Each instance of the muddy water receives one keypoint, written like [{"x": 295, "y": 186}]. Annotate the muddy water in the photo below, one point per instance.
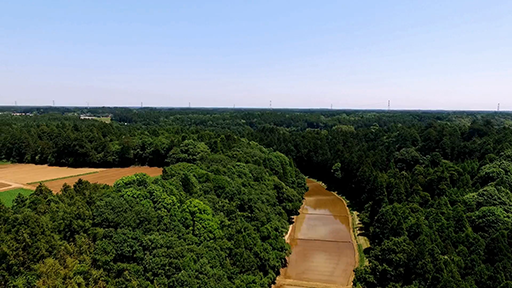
[{"x": 322, "y": 246}]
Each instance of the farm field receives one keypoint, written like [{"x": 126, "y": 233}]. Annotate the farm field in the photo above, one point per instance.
[
  {"x": 28, "y": 176},
  {"x": 30, "y": 173},
  {"x": 105, "y": 176},
  {"x": 323, "y": 253},
  {"x": 8, "y": 196}
]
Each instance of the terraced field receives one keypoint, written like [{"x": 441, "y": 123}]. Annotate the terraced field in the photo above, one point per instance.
[{"x": 323, "y": 252}]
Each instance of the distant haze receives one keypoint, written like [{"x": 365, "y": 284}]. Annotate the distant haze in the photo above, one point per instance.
[{"x": 299, "y": 54}]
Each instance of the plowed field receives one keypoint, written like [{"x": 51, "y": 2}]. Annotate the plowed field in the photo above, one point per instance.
[
  {"x": 323, "y": 252},
  {"x": 4, "y": 185},
  {"x": 106, "y": 176},
  {"x": 28, "y": 176},
  {"x": 29, "y": 173}
]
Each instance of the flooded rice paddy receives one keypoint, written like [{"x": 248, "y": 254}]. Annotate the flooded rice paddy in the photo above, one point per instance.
[{"x": 323, "y": 253}]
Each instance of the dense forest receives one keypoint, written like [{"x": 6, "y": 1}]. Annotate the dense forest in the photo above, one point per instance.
[
  {"x": 213, "y": 219},
  {"x": 433, "y": 190}
]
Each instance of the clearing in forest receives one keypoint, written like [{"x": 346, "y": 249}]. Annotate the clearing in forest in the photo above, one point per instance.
[
  {"x": 28, "y": 176},
  {"x": 105, "y": 176},
  {"x": 323, "y": 251},
  {"x": 30, "y": 173}
]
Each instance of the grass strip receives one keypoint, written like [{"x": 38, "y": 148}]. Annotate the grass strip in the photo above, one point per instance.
[
  {"x": 66, "y": 177},
  {"x": 7, "y": 197},
  {"x": 362, "y": 258},
  {"x": 3, "y": 162},
  {"x": 360, "y": 248}
]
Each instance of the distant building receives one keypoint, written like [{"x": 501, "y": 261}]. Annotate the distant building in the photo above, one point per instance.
[
  {"x": 21, "y": 114},
  {"x": 105, "y": 119}
]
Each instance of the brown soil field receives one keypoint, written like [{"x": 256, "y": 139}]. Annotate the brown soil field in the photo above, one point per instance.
[
  {"x": 323, "y": 252},
  {"x": 321, "y": 262},
  {"x": 106, "y": 176},
  {"x": 28, "y": 173},
  {"x": 4, "y": 185}
]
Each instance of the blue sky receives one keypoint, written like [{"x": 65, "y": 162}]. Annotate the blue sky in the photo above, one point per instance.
[{"x": 351, "y": 54}]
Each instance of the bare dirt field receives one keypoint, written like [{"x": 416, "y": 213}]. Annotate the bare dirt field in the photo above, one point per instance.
[
  {"x": 4, "y": 186},
  {"x": 29, "y": 173},
  {"x": 106, "y": 176},
  {"x": 28, "y": 176},
  {"x": 323, "y": 252}
]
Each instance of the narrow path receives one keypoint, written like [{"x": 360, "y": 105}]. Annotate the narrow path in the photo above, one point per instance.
[
  {"x": 7, "y": 185},
  {"x": 323, "y": 250}
]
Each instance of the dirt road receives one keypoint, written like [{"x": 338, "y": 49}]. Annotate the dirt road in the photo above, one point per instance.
[{"x": 323, "y": 251}]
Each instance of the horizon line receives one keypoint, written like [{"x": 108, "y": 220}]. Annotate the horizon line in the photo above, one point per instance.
[{"x": 256, "y": 108}]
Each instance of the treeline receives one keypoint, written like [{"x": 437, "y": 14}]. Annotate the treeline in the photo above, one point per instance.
[
  {"x": 68, "y": 141},
  {"x": 213, "y": 219},
  {"x": 433, "y": 189}
]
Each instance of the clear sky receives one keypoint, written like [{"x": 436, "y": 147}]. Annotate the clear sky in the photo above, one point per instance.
[{"x": 454, "y": 54}]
